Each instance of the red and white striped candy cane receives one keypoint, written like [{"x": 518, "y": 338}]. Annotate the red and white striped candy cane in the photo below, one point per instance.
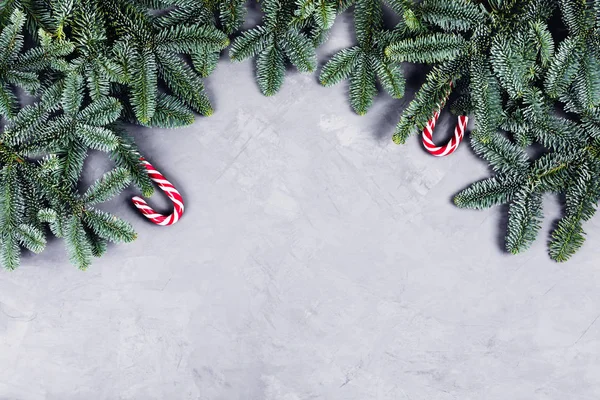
[
  {"x": 171, "y": 193},
  {"x": 452, "y": 145}
]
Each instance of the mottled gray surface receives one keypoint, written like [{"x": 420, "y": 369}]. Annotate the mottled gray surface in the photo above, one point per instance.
[{"x": 316, "y": 260}]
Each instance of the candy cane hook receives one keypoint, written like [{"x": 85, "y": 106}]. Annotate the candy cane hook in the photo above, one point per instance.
[
  {"x": 452, "y": 145},
  {"x": 171, "y": 193}
]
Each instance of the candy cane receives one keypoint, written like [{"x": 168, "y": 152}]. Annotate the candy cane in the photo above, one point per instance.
[
  {"x": 452, "y": 145},
  {"x": 171, "y": 193}
]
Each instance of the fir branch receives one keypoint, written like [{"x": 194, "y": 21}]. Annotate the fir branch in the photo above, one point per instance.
[
  {"x": 431, "y": 48},
  {"x": 500, "y": 153},
  {"x": 340, "y": 66},
  {"x": 582, "y": 198},
  {"x": 127, "y": 156},
  {"x": 270, "y": 70},
  {"x": 543, "y": 41},
  {"x": 300, "y": 51},
  {"x": 368, "y": 21},
  {"x": 524, "y": 220},
  {"x": 460, "y": 15},
  {"x": 105, "y": 188},
  {"x": 250, "y": 43},
  {"x": 108, "y": 226},
  {"x": 390, "y": 76},
  {"x": 564, "y": 67},
  {"x": 170, "y": 112},
  {"x": 489, "y": 192},
  {"x": 205, "y": 62},
  {"x": 191, "y": 38},
  {"x": 31, "y": 238},
  {"x": 78, "y": 244},
  {"x": 362, "y": 86},
  {"x": 184, "y": 83},
  {"x": 486, "y": 98},
  {"x": 144, "y": 83}
]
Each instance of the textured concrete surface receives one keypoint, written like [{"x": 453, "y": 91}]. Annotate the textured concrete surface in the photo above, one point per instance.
[{"x": 316, "y": 260}]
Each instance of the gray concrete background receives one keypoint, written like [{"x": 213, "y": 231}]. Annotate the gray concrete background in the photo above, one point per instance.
[{"x": 316, "y": 260}]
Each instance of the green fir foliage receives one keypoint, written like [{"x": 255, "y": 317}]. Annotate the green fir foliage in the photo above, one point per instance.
[
  {"x": 513, "y": 74},
  {"x": 91, "y": 66}
]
